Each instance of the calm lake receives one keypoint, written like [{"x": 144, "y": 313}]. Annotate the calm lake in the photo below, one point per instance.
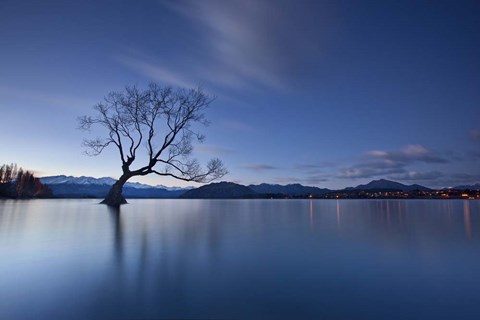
[{"x": 240, "y": 259}]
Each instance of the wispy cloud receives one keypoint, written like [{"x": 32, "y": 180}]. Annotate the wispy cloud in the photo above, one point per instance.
[
  {"x": 381, "y": 163},
  {"x": 286, "y": 180},
  {"x": 314, "y": 180},
  {"x": 309, "y": 180},
  {"x": 417, "y": 176},
  {"x": 409, "y": 154},
  {"x": 155, "y": 71},
  {"x": 308, "y": 166},
  {"x": 259, "y": 167},
  {"x": 246, "y": 44},
  {"x": 313, "y": 173},
  {"x": 371, "y": 170},
  {"x": 236, "y": 38}
]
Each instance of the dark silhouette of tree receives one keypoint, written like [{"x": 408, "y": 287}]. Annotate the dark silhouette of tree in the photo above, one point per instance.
[
  {"x": 159, "y": 118},
  {"x": 19, "y": 184},
  {"x": 25, "y": 184},
  {"x": 7, "y": 172},
  {"x": 42, "y": 190}
]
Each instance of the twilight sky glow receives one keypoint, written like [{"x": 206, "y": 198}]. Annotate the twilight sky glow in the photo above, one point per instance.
[{"x": 324, "y": 93}]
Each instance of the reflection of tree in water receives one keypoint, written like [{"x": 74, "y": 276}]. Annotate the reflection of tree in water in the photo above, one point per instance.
[
  {"x": 117, "y": 233},
  {"x": 166, "y": 261},
  {"x": 156, "y": 260}
]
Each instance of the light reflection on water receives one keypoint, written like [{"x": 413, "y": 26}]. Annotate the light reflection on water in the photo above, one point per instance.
[{"x": 337, "y": 259}]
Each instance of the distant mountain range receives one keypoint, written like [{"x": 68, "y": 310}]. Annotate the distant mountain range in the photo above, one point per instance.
[
  {"x": 102, "y": 181},
  {"x": 88, "y": 187},
  {"x": 220, "y": 190},
  {"x": 290, "y": 189},
  {"x": 384, "y": 185},
  {"x": 234, "y": 191},
  {"x": 468, "y": 187}
]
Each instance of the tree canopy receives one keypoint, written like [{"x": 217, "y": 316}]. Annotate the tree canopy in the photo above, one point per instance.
[{"x": 159, "y": 119}]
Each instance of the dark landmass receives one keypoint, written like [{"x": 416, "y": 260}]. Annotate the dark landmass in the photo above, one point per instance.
[
  {"x": 384, "y": 184},
  {"x": 71, "y": 190},
  {"x": 468, "y": 187},
  {"x": 289, "y": 189},
  {"x": 377, "y": 189},
  {"x": 16, "y": 183},
  {"x": 220, "y": 190},
  {"x": 62, "y": 179},
  {"x": 87, "y": 187}
]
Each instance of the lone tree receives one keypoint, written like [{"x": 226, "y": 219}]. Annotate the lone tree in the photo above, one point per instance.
[{"x": 160, "y": 119}]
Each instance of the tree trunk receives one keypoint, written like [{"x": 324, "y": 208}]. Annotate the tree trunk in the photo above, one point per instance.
[{"x": 114, "y": 197}]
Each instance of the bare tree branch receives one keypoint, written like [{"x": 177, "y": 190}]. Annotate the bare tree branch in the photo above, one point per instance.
[{"x": 162, "y": 119}]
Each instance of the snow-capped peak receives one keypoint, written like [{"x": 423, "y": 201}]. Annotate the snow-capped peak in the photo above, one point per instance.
[{"x": 83, "y": 180}]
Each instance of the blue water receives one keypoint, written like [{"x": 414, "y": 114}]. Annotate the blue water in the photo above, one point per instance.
[{"x": 240, "y": 259}]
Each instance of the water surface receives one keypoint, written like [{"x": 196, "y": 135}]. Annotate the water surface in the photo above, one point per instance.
[{"x": 240, "y": 259}]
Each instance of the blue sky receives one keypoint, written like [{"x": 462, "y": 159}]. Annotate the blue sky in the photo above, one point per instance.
[{"x": 325, "y": 93}]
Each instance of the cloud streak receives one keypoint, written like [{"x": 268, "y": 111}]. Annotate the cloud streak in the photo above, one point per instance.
[
  {"x": 418, "y": 176},
  {"x": 233, "y": 32},
  {"x": 381, "y": 163},
  {"x": 154, "y": 71},
  {"x": 260, "y": 167},
  {"x": 243, "y": 44},
  {"x": 409, "y": 154},
  {"x": 309, "y": 181}
]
